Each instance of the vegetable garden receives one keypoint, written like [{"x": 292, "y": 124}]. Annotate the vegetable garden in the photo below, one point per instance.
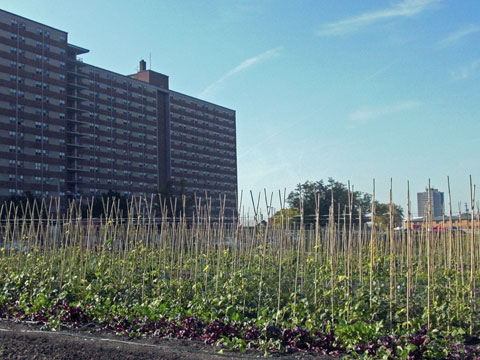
[{"x": 346, "y": 288}]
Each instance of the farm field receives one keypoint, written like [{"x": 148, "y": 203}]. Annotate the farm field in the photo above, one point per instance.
[{"x": 278, "y": 287}]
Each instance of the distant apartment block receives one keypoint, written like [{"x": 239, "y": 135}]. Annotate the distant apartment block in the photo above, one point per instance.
[
  {"x": 72, "y": 129},
  {"x": 437, "y": 203}
]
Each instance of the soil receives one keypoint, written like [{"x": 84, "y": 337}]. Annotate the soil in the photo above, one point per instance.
[{"x": 27, "y": 341}]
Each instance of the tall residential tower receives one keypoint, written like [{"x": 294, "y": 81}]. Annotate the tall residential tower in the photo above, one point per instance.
[{"x": 70, "y": 129}]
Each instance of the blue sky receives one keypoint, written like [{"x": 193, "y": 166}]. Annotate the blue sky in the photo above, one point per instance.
[{"x": 353, "y": 90}]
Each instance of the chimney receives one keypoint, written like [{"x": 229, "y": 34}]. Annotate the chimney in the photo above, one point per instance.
[{"x": 143, "y": 65}]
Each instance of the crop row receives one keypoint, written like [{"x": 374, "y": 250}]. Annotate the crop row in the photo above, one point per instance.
[{"x": 278, "y": 286}]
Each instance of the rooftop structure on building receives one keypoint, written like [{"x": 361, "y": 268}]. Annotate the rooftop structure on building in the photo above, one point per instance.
[{"x": 72, "y": 129}]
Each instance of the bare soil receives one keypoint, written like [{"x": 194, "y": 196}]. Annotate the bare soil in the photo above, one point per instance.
[{"x": 26, "y": 341}]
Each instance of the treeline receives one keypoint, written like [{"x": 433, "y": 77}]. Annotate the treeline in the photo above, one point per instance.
[
  {"x": 28, "y": 205},
  {"x": 313, "y": 196}
]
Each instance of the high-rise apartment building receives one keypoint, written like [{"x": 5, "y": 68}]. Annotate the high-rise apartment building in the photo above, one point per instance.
[
  {"x": 436, "y": 200},
  {"x": 71, "y": 129}
]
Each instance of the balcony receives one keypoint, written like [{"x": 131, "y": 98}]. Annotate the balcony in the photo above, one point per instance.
[
  {"x": 76, "y": 133},
  {"x": 77, "y": 145},
  {"x": 77, "y": 74},
  {"x": 76, "y": 157},
  {"x": 77, "y": 170},
  {"x": 76, "y": 97},
  {"x": 79, "y": 122},
  {"x": 77, "y": 85},
  {"x": 74, "y": 108}
]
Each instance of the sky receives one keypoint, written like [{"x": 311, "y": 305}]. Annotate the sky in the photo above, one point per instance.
[{"x": 353, "y": 90}]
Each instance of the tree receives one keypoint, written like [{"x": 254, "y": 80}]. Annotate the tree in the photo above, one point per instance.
[
  {"x": 20, "y": 202},
  {"x": 173, "y": 201},
  {"x": 382, "y": 215},
  {"x": 288, "y": 215},
  {"x": 98, "y": 207},
  {"x": 340, "y": 193}
]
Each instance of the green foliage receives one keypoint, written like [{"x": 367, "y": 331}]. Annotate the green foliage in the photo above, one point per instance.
[
  {"x": 326, "y": 192},
  {"x": 382, "y": 215},
  {"x": 273, "y": 277}
]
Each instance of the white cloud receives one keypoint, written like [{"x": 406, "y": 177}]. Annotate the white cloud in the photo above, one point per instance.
[
  {"x": 244, "y": 65},
  {"x": 466, "y": 71},
  {"x": 459, "y": 34},
  {"x": 404, "y": 8},
  {"x": 368, "y": 113},
  {"x": 239, "y": 10}
]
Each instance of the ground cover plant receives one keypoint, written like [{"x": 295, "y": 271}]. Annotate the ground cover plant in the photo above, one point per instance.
[{"x": 279, "y": 286}]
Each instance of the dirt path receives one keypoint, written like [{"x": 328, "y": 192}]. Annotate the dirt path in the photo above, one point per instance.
[{"x": 21, "y": 341}]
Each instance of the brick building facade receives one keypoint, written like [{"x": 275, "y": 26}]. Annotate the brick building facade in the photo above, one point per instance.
[{"x": 70, "y": 129}]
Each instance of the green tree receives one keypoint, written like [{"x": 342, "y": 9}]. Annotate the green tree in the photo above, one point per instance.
[
  {"x": 326, "y": 191},
  {"x": 382, "y": 215},
  {"x": 287, "y": 215},
  {"x": 99, "y": 204},
  {"x": 20, "y": 202}
]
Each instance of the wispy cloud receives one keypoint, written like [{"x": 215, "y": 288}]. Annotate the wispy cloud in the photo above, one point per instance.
[
  {"x": 239, "y": 10},
  {"x": 404, "y": 8},
  {"x": 368, "y": 113},
  {"x": 459, "y": 34},
  {"x": 244, "y": 65},
  {"x": 466, "y": 71},
  {"x": 380, "y": 71}
]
